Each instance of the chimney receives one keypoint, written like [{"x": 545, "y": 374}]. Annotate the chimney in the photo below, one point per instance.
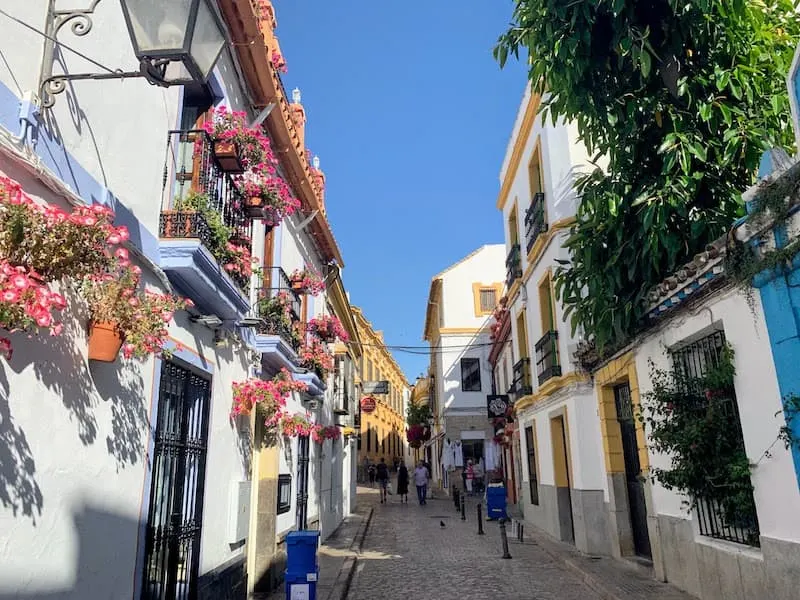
[
  {"x": 319, "y": 178},
  {"x": 298, "y": 116}
]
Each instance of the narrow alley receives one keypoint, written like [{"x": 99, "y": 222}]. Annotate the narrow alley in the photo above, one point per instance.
[{"x": 406, "y": 553}]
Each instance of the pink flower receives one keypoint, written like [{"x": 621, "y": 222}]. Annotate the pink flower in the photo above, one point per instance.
[
  {"x": 11, "y": 296},
  {"x": 114, "y": 238},
  {"x": 20, "y": 281},
  {"x": 57, "y": 329},
  {"x": 5, "y": 348},
  {"x": 121, "y": 253},
  {"x": 44, "y": 319}
]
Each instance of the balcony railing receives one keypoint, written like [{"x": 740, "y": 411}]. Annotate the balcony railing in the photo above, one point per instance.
[
  {"x": 521, "y": 384},
  {"x": 513, "y": 265},
  {"x": 276, "y": 294},
  {"x": 535, "y": 223},
  {"x": 547, "y": 364},
  {"x": 190, "y": 153}
]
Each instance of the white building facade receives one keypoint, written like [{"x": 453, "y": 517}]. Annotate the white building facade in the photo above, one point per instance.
[
  {"x": 563, "y": 483},
  {"x": 131, "y": 478},
  {"x": 460, "y": 302}
]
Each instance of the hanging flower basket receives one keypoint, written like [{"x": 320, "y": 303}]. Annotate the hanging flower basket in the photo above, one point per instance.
[
  {"x": 105, "y": 341},
  {"x": 254, "y": 207},
  {"x": 415, "y": 444},
  {"x": 228, "y": 159}
]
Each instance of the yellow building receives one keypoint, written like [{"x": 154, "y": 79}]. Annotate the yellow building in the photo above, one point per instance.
[{"x": 382, "y": 430}]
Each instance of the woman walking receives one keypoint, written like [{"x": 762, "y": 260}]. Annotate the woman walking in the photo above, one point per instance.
[{"x": 402, "y": 483}]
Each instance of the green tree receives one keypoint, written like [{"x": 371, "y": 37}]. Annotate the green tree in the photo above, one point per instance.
[
  {"x": 418, "y": 414},
  {"x": 680, "y": 97}
]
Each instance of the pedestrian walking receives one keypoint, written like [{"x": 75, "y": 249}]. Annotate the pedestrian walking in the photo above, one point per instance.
[
  {"x": 421, "y": 481},
  {"x": 371, "y": 471},
  {"x": 470, "y": 476},
  {"x": 402, "y": 483},
  {"x": 382, "y": 475}
]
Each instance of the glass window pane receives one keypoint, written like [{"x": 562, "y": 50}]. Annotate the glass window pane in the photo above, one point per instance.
[
  {"x": 207, "y": 40},
  {"x": 158, "y": 25}
]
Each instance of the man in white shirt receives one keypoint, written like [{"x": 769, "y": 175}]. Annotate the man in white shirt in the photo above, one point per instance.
[{"x": 421, "y": 481}]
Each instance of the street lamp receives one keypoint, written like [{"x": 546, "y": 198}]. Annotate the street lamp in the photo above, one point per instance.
[{"x": 175, "y": 41}]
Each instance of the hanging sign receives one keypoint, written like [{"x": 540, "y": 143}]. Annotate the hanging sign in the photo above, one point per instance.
[
  {"x": 368, "y": 404},
  {"x": 497, "y": 405}
]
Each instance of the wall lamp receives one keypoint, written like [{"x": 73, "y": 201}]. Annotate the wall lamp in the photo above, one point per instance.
[{"x": 175, "y": 41}]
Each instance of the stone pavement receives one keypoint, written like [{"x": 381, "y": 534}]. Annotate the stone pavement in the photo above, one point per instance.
[{"x": 407, "y": 554}]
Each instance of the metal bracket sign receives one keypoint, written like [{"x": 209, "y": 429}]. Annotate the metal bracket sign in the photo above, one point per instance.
[
  {"x": 375, "y": 387},
  {"x": 497, "y": 405}
]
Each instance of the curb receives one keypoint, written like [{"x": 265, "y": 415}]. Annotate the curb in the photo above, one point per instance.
[{"x": 344, "y": 579}]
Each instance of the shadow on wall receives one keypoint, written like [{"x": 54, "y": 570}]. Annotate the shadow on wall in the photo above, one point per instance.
[
  {"x": 57, "y": 363},
  {"x": 104, "y": 565}
]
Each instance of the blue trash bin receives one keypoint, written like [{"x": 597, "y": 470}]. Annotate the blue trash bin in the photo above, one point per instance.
[
  {"x": 496, "y": 502},
  {"x": 302, "y": 587},
  {"x": 301, "y": 553}
]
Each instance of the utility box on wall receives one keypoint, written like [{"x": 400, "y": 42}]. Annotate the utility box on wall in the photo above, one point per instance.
[{"x": 239, "y": 513}]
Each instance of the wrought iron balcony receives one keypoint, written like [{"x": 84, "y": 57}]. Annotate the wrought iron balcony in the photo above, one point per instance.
[
  {"x": 278, "y": 307},
  {"x": 513, "y": 265},
  {"x": 204, "y": 216},
  {"x": 521, "y": 384},
  {"x": 535, "y": 223},
  {"x": 547, "y": 363},
  {"x": 191, "y": 156}
]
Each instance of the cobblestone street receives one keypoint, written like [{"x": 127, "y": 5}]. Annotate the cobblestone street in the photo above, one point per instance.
[{"x": 407, "y": 554}]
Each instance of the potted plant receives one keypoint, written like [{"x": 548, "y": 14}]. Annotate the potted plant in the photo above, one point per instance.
[
  {"x": 295, "y": 425},
  {"x": 327, "y": 328},
  {"x": 237, "y": 147},
  {"x": 278, "y": 62},
  {"x": 315, "y": 356},
  {"x": 267, "y": 395},
  {"x": 26, "y": 303},
  {"x": 123, "y": 314},
  {"x": 306, "y": 281},
  {"x": 269, "y": 198}
]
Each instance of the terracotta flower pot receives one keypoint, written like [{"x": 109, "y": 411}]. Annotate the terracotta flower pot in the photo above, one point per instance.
[
  {"x": 105, "y": 340},
  {"x": 227, "y": 155},
  {"x": 254, "y": 207},
  {"x": 297, "y": 285}
]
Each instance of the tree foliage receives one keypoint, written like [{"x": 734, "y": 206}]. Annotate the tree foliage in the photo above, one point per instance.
[
  {"x": 677, "y": 99},
  {"x": 418, "y": 414}
]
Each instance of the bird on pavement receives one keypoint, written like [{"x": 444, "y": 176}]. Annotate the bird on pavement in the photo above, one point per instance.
[{"x": 441, "y": 523}]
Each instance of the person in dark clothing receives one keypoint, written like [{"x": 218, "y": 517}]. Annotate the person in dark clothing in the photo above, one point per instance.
[
  {"x": 371, "y": 472},
  {"x": 382, "y": 475},
  {"x": 402, "y": 483}
]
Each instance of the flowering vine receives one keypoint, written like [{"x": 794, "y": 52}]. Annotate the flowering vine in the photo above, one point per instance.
[{"x": 314, "y": 355}]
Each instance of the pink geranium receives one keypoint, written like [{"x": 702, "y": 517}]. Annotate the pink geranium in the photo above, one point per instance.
[
  {"x": 276, "y": 195},
  {"x": 279, "y": 62},
  {"x": 327, "y": 328},
  {"x": 253, "y": 144},
  {"x": 268, "y": 395},
  {"x": 307, "y": 281}
]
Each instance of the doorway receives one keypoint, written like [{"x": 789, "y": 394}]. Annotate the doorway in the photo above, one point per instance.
[
  {"x": 633, "y": 470},
  {"x": 175, "y": 515},
  {"x": 563, "y": 478}
]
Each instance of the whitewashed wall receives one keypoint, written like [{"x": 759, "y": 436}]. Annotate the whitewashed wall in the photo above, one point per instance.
[
  {"x": 776, "y": 493},
  {"x": 72, "y": 447},
  {"x": 485, "y": 266},
  {"x": 464, "y": 346}
]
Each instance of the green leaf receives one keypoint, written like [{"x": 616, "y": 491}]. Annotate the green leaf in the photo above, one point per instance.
[{"x": 646, "y": 63}]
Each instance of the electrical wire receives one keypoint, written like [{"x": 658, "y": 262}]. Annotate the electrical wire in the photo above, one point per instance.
[{"x": 60, "y": 43}]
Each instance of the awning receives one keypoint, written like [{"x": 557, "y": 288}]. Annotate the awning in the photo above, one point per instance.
[
  {"x": 438, "y": 436},
  {"x": 348, "y": 431}
]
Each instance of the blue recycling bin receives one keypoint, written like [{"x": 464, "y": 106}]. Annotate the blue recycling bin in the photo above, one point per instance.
[
  {"x": 496, "y": 502},
  {"x": 301, "y": 553},
  {"x": 302, "y": 587}
]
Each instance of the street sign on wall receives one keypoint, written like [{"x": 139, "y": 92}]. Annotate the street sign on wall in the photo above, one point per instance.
[
  {"x": 368, "y": 404},
  {"x": 375, "y": 387}
]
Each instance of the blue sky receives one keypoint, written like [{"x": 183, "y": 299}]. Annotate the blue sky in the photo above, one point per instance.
[{"x": 410, "y": 117}]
